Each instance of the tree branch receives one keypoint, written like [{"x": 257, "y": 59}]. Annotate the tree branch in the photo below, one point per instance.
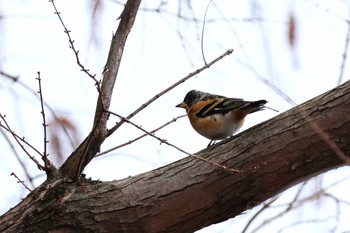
[
  {"x": 20, "y": 181},
  {"x": 190, "y": 75},
  {"x": 17, "y": 81},
  {"x": 75, "y": 51},
  {"x": 77, "y": 161},
  {"x": 49, "y": 167},
  {"x": 139, "y": 137},
  {"x": 19, "y": 139},
  {"x": 189, "y": 194},
  {"x": 173, "y": 146}
]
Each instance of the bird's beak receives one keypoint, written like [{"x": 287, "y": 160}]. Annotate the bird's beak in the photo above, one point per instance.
[{"x": 181, "y": 105}]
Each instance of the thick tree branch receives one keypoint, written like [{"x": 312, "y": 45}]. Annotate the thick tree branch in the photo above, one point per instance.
[
  {"x": 190, "y": 194},
  {"x": 77, "y": 161}
]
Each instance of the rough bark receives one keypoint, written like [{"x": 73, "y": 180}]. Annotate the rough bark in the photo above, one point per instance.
[{"x": 190, "y": 194}]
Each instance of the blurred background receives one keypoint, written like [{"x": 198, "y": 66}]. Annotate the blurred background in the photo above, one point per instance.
[{"x": 286, "y": 52}]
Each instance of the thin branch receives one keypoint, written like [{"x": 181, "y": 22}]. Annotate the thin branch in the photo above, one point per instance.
[
  {"x": 178, "y": 148},
  {"x": 18, "y": 139},
  {"x": 312, "y": 196},
  {"x": 316, "y": 196},
  {"x": 338, "y": 212},
  {"x": 76, "y": 162},
  {"x": 290, "y": 206},
  {"x": 255, "y": 216},
  {"x": 21, "y": 181},
  {"x": 268, "y": 205},
  {"x": 16, "y": 80},
  {"x": 185, "y": 44},
  {"x": 345, "y": 53},
  {"x": 13, "y": 78},
  {"x": 139, "y": 137},
  {"x": 325, "y": 137},
  {"x": 337, "y": 183},
  {"x": 71, "y": 45},
  {"x": 24, "y": 167},
  {"x": 307, "y": 221},
  {"x": 114, "y": 128},
  {"x": 294, "y": 204},
  {"x": 203, "y": 26},
  {"x": 327, "y": 10},
  {"x": 47, "y": 163},
  {"x": 163, "y": 11},
  {"x": 269, "y": 84}
]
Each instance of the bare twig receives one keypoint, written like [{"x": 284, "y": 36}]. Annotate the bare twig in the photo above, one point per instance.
[
  {"x": 178, "y": 148},
  {"x": 308, "y": 222},
  {"x": 345, "y": 52},
  {"x": 183, "y": 40},
  {"x": 296, "y": 203},
  {"x": 18, "y": 139},
  {"x": 269, "y": 84},
  {"x": 114, "y": 128},
  {"x": 314, "y": 126},
  {"x": 338, "y": 212},
  {"x": 24, "y": 167},
  {"x": 40, "y": 92},
  {"x": 255, "y": 216},
  {"x": 76, "y": 162},
  {"x": 203, "y": 26},
  {"x": 16, "y": 80},
  {"x": 268, "y": 205},
  {"x": 21, "y": 181},
  {"x": 71, "y": 45},
  {"x": 13, "y": 78},
  {"x": 139, "y": 137},
  {"x": 326, "y": 9},
  {"x": 185, "y": 17}
]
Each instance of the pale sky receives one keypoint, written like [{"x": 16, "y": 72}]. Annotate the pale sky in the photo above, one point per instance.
[{"x": 162, "y": 49}]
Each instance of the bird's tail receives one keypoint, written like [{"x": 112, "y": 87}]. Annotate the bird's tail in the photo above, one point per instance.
[
  {"x": 258, "y": 105},
  {"x": 254, "y": 106}
]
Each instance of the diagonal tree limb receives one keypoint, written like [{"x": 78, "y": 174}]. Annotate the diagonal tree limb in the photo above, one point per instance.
[
  {"x": 77, "y": 161},
  {"x": 188, "y": 194}
]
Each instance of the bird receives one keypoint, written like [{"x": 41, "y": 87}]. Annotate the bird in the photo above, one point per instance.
[{"x": 217, "y": 117}]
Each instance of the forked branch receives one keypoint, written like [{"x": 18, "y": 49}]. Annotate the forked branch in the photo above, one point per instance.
[{"x": 77, "y": 161}]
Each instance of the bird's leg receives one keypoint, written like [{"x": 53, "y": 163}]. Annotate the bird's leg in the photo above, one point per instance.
[{"x": 212, "y": 142}]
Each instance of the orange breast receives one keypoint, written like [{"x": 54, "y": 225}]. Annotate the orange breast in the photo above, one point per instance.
[{"x": 215, "y": 127}]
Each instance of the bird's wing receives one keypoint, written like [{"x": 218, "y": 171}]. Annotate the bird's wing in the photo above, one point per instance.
[{"x": 220, "y": 105}]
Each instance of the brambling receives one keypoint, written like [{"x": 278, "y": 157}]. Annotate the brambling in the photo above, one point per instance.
[{"x": 217, "y": 117}]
